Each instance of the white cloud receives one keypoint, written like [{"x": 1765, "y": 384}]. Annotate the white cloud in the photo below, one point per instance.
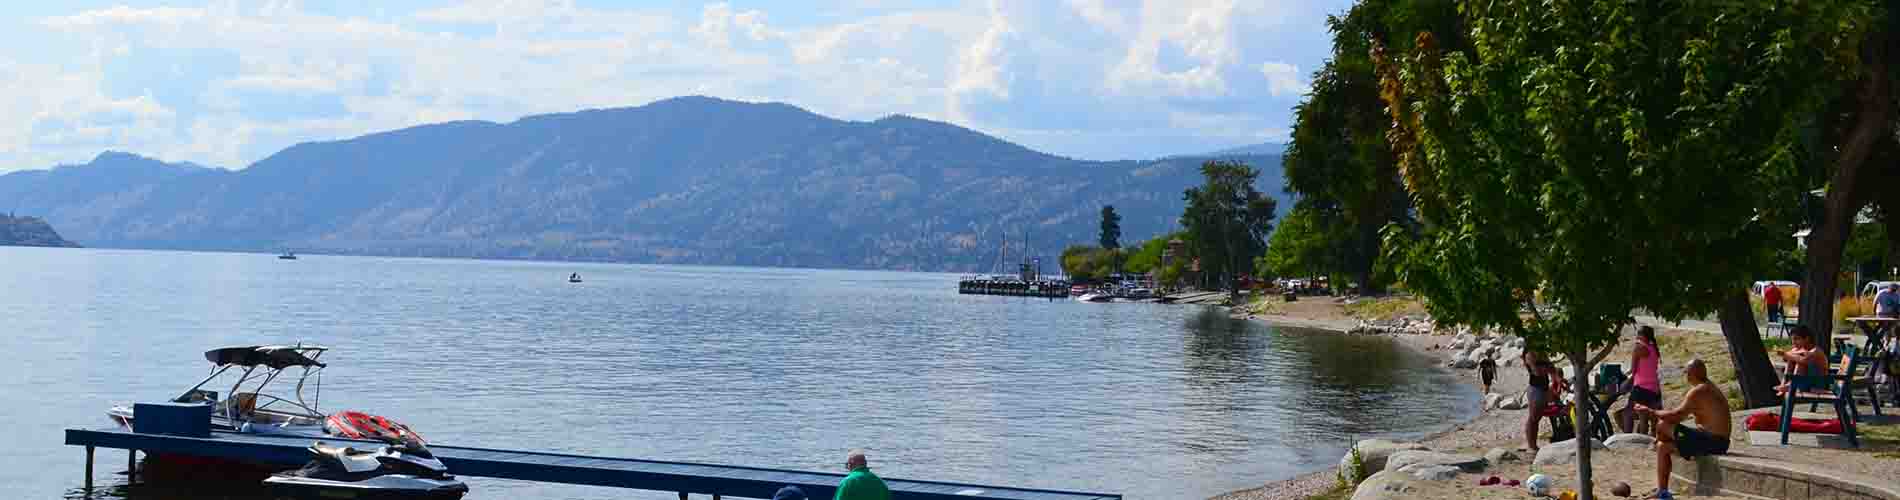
[
  {"x": 1283, "y": 78},
  {"x": 1087, "y": 78}
]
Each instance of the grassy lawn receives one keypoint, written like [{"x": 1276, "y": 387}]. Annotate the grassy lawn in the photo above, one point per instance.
[
  {"x": 1383, "y": 308},
  {"x": 1678, "y": 346}
]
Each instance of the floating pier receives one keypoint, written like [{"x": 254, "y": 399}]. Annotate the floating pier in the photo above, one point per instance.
[
  {"x": 1013, "y": 287},
  {"x": 681, "y": 477}
]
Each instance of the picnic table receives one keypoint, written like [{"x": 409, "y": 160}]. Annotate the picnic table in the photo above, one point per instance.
[{"x": 1875, "y": 327}]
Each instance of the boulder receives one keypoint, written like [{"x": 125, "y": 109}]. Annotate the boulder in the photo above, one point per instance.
[
  {"x": 1629, "y": 441},
  {"x": 1562, "y": 452},
  {"x": 1515, "y": 402},
  {"x": 1466, "y": 360},
  {"x": 1500, "y": 455},
  {"x": 1403, "y": 459},
  {"x": 1491, "y": 400},
  {"x": 1385, "y": 485},
  {"x": 1424, "y": 472},
  {"x": 1372, "y": 454}
]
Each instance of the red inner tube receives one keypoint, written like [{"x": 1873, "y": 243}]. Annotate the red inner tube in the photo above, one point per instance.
[{"x": 359, "y": 425}]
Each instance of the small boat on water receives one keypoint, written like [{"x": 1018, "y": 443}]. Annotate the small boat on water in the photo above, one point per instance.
[
  {"x": 251, "y": 405},
  {"x": 1096, "y": 297},
  {"x": 287, "y": 256},
  {"x": 1078, "y": 290},
  {"x": 574, "y": 278}
]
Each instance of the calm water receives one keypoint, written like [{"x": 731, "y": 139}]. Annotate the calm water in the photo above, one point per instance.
[{"x": 762, "y": 367}]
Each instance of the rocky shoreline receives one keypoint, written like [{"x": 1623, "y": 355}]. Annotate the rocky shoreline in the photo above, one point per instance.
[{"x": 1488, "y": 426}]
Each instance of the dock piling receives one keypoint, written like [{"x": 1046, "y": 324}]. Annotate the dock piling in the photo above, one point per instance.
[
  {"x": 682, "y": 495},
  {"x": 88, "y": 469},
  {"x": 131, "y": 466}
]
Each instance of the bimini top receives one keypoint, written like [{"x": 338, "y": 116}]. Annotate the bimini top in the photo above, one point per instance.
[{"x": 275, "y": 356}]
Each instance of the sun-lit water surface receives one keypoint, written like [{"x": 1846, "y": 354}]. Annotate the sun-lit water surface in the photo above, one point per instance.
[{"x": 760, "y": 367}]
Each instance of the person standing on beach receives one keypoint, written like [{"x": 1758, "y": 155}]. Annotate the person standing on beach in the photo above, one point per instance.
[
  {"x": 1537, "y": 395},
  {"x": 1645, "y": 387},
  {"x": 1487, "y": 371},
  {"x": 860, "y": 484}
]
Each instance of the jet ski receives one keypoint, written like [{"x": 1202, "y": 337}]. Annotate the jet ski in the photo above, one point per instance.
[{"x": 402, "y": 470}]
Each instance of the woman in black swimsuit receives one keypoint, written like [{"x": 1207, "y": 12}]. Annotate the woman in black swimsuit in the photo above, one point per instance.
[{"x": 1537, "y": 395}]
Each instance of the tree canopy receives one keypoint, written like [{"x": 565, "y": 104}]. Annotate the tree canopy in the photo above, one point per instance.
[
  {"x": 1337, "y": 159},
  {"x": 1606, "y": 156},
  {"x": 1226, "y": 220},
  {"x": 1111, "y": 236}
]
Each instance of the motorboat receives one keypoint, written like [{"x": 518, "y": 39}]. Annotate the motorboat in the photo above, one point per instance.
[
  {"x": 574, "y": 278},
  {"x": 287, "y": 256},
  {"x": 1078, "y": 290},
  {"x": 251, "y": 405},
  {"x": 404, "y": 469},
  {"x": 1096, "y": 297}
]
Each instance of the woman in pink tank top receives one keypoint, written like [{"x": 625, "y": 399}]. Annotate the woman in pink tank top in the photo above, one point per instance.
[{"x": 1645, "y": 388}]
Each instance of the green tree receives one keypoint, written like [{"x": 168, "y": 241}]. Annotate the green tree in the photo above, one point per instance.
[
  {"x": 1111, "y": 235},
  {"x": 1606, "y": 156},
  {"x": 1337, "y": 159},
  {"x": 1079, "y": 262},
  {"x": 1301, "y": 246},
  {"x": 1226, "y": 221},
  {"x": 1148, "y": 256}
]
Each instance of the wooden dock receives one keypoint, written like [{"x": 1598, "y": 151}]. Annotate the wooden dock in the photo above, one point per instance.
[
  {"x": 1214, "y": 297},
  {"x": 682, "y": 477}
]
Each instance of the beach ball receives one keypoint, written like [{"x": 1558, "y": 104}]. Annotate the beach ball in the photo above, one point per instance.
[{"x": 1538, "y": 484}]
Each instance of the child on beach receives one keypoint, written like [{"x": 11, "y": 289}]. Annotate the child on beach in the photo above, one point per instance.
[{"x": 1487, "y": 371}]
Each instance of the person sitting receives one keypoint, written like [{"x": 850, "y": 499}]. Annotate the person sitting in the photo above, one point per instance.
[
  {"x": 1708, "y": 406},
  {"x": 860, "y": 484},
  {"x": 1803, "y": 358}
]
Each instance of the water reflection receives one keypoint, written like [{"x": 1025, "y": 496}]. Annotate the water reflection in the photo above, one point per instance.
[{"x": 770, "y": 368}]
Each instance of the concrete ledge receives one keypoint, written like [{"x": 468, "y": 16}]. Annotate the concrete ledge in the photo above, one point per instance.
[{"x": 1754, "y": 477}]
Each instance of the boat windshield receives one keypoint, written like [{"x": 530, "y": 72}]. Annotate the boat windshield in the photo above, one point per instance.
[{"x": 250, "y": 397}]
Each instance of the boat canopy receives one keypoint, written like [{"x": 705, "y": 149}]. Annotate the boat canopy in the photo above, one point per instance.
[{"x": 274, "y": 356}]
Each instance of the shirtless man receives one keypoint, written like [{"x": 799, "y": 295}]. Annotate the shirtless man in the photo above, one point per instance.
[{"x": 1709, "y": 406}]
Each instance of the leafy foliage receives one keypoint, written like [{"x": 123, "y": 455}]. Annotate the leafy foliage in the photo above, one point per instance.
[
  {"x": 1111, "y": 236},
  {"x": 1302, "y": 245},
  {"x": 1226, "y": 219},
  {"x": 1338, "y": 160},
  {"x": 1607, "y": 156},
  {"x": 1145, "y": 258}
]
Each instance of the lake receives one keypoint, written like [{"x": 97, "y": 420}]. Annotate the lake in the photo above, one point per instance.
[{"x": 785, "y": 368}]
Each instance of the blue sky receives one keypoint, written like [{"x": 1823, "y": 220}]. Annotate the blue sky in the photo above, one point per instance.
[{"x": 227, "y": 83}]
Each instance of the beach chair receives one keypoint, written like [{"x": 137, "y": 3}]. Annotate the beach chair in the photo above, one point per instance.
[{"x": 1837, "y": 396}]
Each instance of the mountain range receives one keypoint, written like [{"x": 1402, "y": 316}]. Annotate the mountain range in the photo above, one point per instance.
[{"x": 685, "y": 180}]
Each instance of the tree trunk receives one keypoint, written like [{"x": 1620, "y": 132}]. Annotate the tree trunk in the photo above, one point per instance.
[
  {"x": 1826, "y": 243},
  {"x": 1752, "y": 369},
  {"x": 1580, "y": 386}
]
